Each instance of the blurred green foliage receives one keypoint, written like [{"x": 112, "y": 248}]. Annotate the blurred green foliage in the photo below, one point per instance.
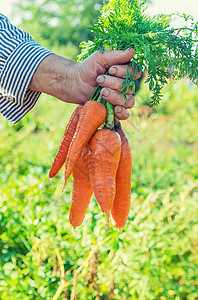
[
  {"x": 58, "y": 25},
  {"x": 156, "y": 254}
]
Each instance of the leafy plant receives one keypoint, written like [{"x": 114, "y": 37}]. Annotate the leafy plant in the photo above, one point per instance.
[{"x": 161, "y": 50}]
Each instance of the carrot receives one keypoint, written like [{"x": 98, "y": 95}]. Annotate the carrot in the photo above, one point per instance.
[
  {"x": 92, "y": 116},
  {"x": 64, "y": 145},
  {"x": 82, "y": 190},
  {"x": 121, "y": 204},
  {"x": 105, "y": 148}
]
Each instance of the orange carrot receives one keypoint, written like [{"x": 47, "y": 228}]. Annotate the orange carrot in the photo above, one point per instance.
[
  {"x": 92, "y": 116},
  {"x": 66, "y": 140},
  {"x": 121, "y": 204},
  {"x": 82, "y": 190},
  {"x": 105, "y": 148}
]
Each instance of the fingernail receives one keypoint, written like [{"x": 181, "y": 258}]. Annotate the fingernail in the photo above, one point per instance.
[
  {"x": 129, "y": 49},
  {"x": 130, "y": 102},
  {"x": 101, "y": 79},
  {"x": 105, "y": 92},
  {"x": 119, "y": 109},
  {"x": 113, "y": 70}
]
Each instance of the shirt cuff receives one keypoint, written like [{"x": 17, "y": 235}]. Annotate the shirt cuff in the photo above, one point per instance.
[
  {"x": 18, "y": 70},
  {"x": 14, "y": 112}
]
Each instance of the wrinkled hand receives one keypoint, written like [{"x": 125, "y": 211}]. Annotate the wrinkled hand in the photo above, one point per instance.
[
  {"x": 75, "y": 82},
  {"x": 91, "y": 72}
]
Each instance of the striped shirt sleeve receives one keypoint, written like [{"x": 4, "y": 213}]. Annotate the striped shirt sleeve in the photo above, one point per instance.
[{"x": 20, "y": 56}]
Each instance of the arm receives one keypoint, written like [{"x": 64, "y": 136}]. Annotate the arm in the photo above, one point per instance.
[
  {"x": 75, "y": 82},
  {"x": 27, "y": 69}
]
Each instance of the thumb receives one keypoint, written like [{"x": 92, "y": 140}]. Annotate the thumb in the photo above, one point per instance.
[{"x": 118, "y": 57}]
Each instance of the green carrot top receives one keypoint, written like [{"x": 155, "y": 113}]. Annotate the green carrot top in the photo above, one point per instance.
[{"x": 163, "y": 51}]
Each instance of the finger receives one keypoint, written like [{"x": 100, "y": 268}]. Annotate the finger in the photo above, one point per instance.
[
  {"x": 117, "y": 98},
  {"x": 109, "y": 58},
  {"x": 120, "y": 71},
  {"x": 112, "y": 82},
  {"x": 121, "y": 113}
]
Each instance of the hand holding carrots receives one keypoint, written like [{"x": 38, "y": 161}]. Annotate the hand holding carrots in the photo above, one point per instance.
[
  {"x": 91, "y": 72},
  {"x": 75, "y": 82}
]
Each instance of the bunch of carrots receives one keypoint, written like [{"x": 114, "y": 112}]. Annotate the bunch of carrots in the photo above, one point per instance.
[{"x": 96, "y": 151}]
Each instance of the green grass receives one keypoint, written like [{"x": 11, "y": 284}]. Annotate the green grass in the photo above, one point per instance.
[{"x": 155, "y": 255}]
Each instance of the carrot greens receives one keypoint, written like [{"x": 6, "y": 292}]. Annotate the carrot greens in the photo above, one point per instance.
[{"x": 164, "y": 52}]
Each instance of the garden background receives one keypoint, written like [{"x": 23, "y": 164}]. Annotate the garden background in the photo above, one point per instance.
[{"x": 156, "y": 254}]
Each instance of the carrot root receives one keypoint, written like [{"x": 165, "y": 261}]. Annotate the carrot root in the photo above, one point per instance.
[
  {"x": 91, "y": 117},
  {"x": 121, "y": 204},
  {"x": 105, "y": 147},
  {"x": 61, "y": 154},
  {"x": 82, "y": 190}
]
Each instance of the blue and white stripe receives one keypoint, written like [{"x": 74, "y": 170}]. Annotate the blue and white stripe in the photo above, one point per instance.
[{"x": 20, "y": 56}]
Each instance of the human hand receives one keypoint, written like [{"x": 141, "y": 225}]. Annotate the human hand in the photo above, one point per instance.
[
  {"x": 75, "y": 82},
  {"x": 91, "y": 72}
]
